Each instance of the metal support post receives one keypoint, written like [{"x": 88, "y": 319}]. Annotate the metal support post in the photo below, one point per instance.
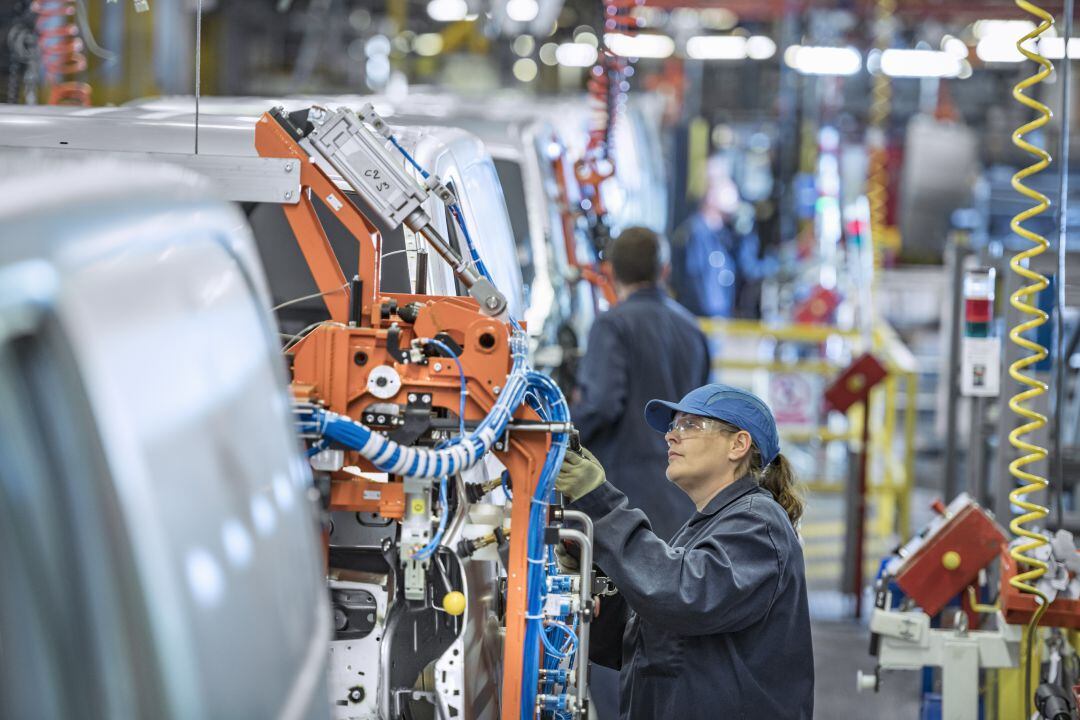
[{"x": 955, "y": 255}]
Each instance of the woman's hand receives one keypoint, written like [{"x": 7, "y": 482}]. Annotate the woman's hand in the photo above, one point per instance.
[{"x": 579, "y": 475}]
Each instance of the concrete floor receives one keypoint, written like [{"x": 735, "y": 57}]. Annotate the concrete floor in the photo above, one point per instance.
[{"x": 841, "y": 648}]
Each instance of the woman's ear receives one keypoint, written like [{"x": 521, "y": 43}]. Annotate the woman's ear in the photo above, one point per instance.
[{"x": 740, "y": 446}]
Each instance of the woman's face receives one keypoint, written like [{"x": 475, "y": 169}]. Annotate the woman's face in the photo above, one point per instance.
[{"x": 701, "y": 448}]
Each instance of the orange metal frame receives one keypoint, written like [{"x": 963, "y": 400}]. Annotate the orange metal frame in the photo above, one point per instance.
[
  {"x": 598, "y": 276},
  {"x": 331, "y": 367}
]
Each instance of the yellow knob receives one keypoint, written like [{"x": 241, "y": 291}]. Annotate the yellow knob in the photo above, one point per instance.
[
  {"x": 454, "y": 602},
  {"x": 950, "y": 560}
]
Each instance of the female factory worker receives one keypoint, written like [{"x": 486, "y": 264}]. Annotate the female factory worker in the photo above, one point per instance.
[{"x": 713, "y": 624}]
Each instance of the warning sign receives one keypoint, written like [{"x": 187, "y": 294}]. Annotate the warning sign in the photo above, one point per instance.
[{"x": 795, "y": 399}]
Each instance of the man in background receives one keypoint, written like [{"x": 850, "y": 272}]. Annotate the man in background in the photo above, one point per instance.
[
  {"x": 646, "y": 346},
  {"x": 716, "y": 251}
]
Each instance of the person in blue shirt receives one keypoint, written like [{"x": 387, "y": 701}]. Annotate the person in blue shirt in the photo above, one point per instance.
[
  {"x": 715, "y": 255},
  {"x": 713, "y": 623}
]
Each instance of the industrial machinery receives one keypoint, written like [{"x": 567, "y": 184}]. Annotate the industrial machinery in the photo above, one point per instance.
[
  {"x": 159, "y": 545},
  {"x": 930, "y": 612},
  {"x": 942, "y": 562},
  {"x": 523, "y": 146},
  {"x": 444, "y": 592},
  {"x": 427, "y": 393},
  {"x": 536, "y": 171}
]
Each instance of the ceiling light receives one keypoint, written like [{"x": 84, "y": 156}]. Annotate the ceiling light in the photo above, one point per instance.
[
  {"x": 523, "y": 45},
  {"x": 547, "y": 54},
  {"x": 955, "y": 47},
  {"x": 640, "y": 46},
  {"x": 717, "y": 47},
  {"x": 428, "y": 44},
  {"x": 447, "y": 10},
  {"x": 998, "y": 49},
  {"x": 575, "y": 54},
  {"x": 587, "y": 37},
  {"x": 522, "y": 11},
  {"x": 919, "y": 63},
  {"x": 760, "y": 47},
  {"x": 525, "y": 70},
  {"x": 1009, "y": 28},
  {"x": 1053, "y": 48},
  {"x": 998, "y": 38},
  {"x": 820, "y": 60}
]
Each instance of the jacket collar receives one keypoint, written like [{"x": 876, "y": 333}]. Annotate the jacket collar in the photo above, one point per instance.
[
  {"x": 743, "y": 486},
  {"x": 647, "y": 292}
]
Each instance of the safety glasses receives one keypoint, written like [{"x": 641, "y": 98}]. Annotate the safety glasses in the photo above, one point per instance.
[{"x": 695, "y": 424}]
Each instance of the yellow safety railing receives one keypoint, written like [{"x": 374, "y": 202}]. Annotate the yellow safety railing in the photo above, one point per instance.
[{"x": 891, "y": 463}]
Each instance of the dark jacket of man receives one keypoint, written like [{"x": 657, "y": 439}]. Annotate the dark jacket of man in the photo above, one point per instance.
[
  {"x": 646, "y": 347},
  {"x": 714, "y": 624}
]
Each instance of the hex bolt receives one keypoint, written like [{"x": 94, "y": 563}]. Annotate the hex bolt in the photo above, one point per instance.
[
  {"x": 288, "y": 167},
  {"x": 412, "y": 397},
  {"x": 492, "y": 302},
  {"x": 438, "y": 367}
]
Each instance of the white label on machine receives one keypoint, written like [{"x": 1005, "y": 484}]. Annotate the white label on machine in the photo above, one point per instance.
[
  {"x": 334, "y": 202},
  {"x": 980, "y": 367}
]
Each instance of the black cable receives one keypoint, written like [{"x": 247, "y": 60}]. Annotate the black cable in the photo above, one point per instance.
[
  {"x": 1060, "y": 359},
  {"x": 1029, "y": 698}
]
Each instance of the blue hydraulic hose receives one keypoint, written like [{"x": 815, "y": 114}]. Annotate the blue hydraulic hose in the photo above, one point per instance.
[
  {"x": 461, "y": 373},
  {"x": 409, "y": 157},
  {"x": 549, "y": 395}
]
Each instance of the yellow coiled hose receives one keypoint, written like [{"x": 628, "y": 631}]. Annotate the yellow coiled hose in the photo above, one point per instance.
[
  {"x": 1024, "y": 300},
  {"x": 877, "y": 183}
]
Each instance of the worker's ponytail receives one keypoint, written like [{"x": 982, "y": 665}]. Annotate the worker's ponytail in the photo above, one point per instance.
[{"x": 779, "y": 479}]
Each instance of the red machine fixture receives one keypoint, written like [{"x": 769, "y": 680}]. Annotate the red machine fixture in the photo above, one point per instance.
[{"x": 942, "y": 563}]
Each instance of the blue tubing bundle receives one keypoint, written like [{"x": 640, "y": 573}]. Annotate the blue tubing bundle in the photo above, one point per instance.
[
  {"x": 550, "y": 404},
  {"x": 462, "y": 453}
]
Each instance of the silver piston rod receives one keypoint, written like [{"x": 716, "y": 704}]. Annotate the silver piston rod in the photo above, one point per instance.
[{"x": 361, "y": 156}]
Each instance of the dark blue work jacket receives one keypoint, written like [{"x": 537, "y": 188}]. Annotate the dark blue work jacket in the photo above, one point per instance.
[
  {"x": 646, "y": 347},
  {"x": 714, "y": 625}
]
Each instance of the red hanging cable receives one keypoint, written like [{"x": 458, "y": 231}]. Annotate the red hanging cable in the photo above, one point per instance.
[{"x": 61, "y": 51}]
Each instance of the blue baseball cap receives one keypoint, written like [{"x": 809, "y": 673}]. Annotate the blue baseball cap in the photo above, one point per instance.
[{"x": 738, "y": 407}]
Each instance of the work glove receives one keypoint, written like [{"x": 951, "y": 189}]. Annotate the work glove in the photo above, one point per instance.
[
  {"x": 579, "y": 475},
  {"x": 568, "y": 564}
]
